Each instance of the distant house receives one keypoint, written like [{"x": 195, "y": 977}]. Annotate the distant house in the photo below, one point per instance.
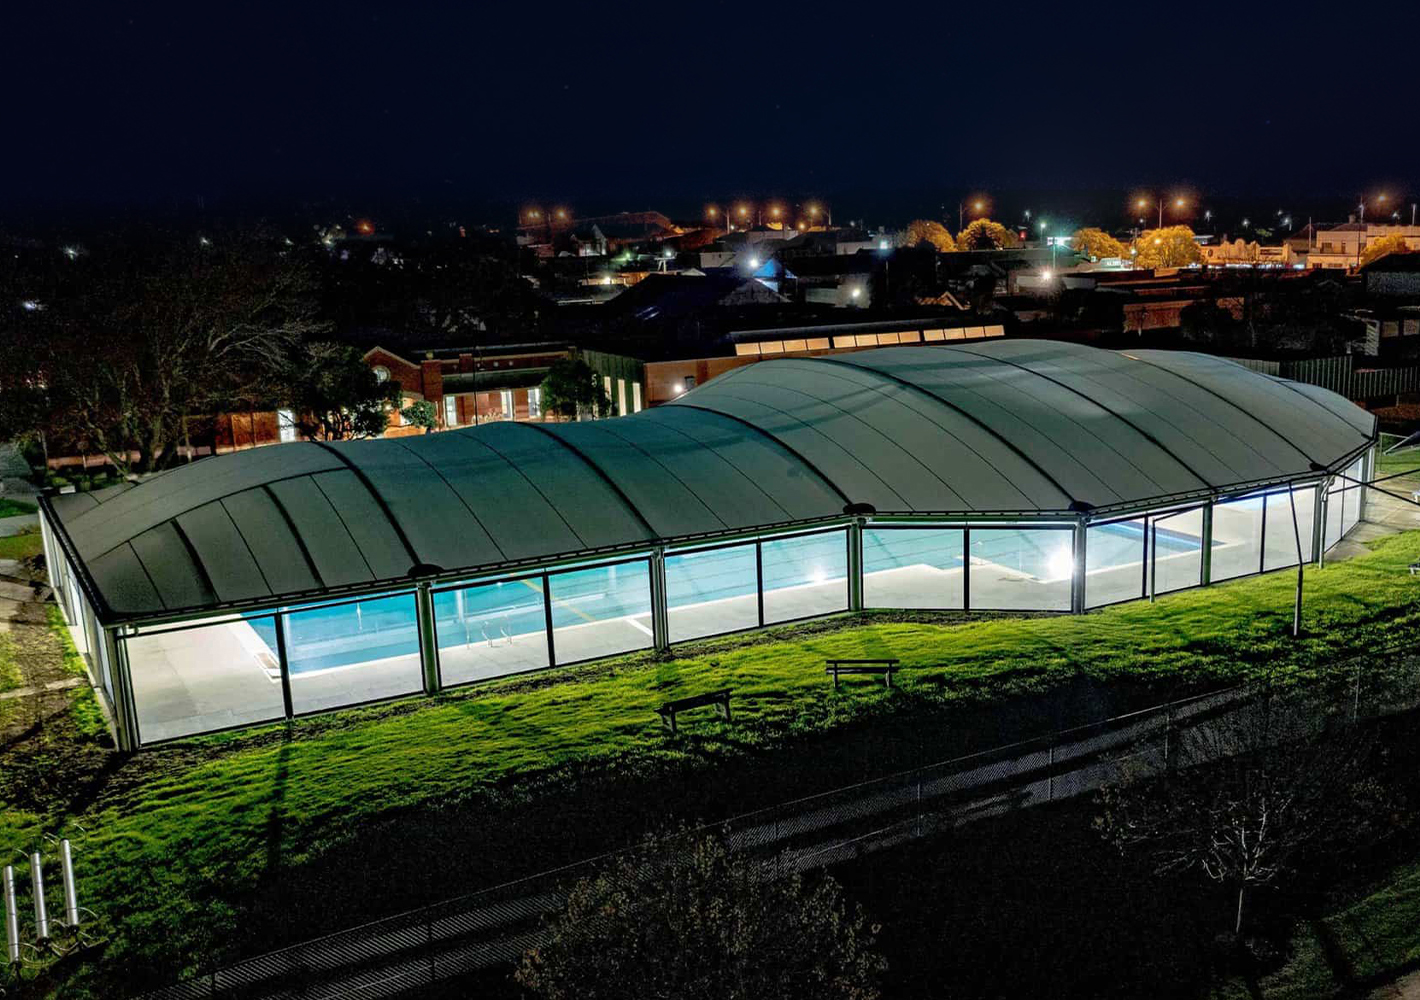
[
  {"x": 1342, "y": 246},
  {"x": 1395, "y": 274}
]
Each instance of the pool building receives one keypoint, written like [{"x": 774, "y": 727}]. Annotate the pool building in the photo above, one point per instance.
[{"x": 1006, "y": 475}]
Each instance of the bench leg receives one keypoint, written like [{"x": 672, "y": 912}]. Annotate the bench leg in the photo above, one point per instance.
[
  {"x": 835, "y": 678},
  {"x": 726, "y": 711},
  {"x": 887, "y": 679},
  {"x": 668, "y": 722}
]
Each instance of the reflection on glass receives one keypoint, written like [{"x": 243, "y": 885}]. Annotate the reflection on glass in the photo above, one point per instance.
[
  {"x": 1280, "y": 545},
  {"x": 195, "y": 680},
  {"x": 345, "y": 654},
  {"x": 1021, "y": 569},
  {"x": 490, "y": 630},
  {"x": 1237, "y": 538},
  {"x": 601, "y": 611},
  {"x": 805, "y": 576},
  {"x": 1114, "y": 562},
  {"x": 913, "y": 568},
  {"x": 711, "y": 591},
  {"x": 1177, "y": 541}
]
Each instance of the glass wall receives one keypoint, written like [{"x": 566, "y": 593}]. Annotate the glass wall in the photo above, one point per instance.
[
  {"x": 1280, "y": 539},
  {"x": 1351, "y": 508},
  {"x": 490, "y": 630},
  {"x": 1177, "y": 544},
  {"x": 914, "y": 568},
  {"x": 1335, "y": 502},
  {"x": 1237, "y": 538},
  {"x": 600, "y": 610},
  {"x": 358, "y": 651},
  {"x": 201, "y": 678},
  {"x": 710, "y": 591},
  {"x": 1021, "y": 569},
  {"x": 805, "y": 575},
  {"x": 1114, "y": 561}
]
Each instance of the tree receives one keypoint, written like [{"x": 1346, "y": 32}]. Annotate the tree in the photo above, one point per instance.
[
  {"x": 572, "y": 390},
  {"x": 1097, "y": 244},
  {"x": 130, "y": 343},
  {"x": 1376, "y": 249},
  {"x": 1257, "y": 790},
  {"x": 1172, "y": 246},
  {"x": 984, "y": 234},
  {"x": 694, "y": 922},
  {"x": 335, "y": 395},
  {"x": 421, "y": 413},
  {"x": 921, "y": 231}
]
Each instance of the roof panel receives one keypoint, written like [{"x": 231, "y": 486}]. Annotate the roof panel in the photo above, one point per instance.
[
  {"x": 369, "y": 524},
  {"x": 179, "y": 580},
  {"x": 223, "y": 553},
  {"x": 124, "y": 583},
  {"x": 278, "y": 552},
  {"x": 336, "y": 557}
]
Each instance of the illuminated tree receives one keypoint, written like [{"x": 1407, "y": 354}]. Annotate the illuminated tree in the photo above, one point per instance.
[
  {"x": 572, "y": 390},
  {"x": 421, "y": 413},
  {"x": 1097, "y": 244},
  {"x": 984, "y": 234},
  {"x": 1375, "y": 250},
  {"x": 1172, "y": 246},
  {"x": 337, "y": 396},
  {"x": 921, "y": 231}
]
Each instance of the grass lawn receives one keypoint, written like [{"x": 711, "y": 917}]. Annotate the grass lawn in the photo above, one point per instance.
[
  {"x": 185, "y": 843},
  {"x": 10, "y": 508},
  {"x": 21, "y": 546}
]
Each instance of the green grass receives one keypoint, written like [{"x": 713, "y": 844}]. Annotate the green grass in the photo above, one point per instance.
[
  {"x": 9, "y": 669},
  {"x": 10, "y": 508},
  {"x": 179, "y": 839},
  {"x": 21, "y": 546}
]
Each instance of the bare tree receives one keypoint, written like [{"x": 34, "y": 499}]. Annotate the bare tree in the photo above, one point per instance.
[{"x": 1256, "y": 792}]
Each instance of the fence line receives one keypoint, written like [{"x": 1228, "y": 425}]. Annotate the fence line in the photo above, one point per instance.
[{"x": 421, "y": 947}]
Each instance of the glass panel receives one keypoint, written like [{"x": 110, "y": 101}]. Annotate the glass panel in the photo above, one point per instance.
[
  {"x": 1281, "y": 541},
  {"x": 195, "y": 680},
  {"x": 352, "y": 653},
  {"x": 1114, "y": 562},
  {"x": 1334, "y": 501},
  {"x": 913, "y": 568},
  {"x": 1351, "y": 513},
  {"x": 805, "y": 576},
  {"x": 1237, "y": 538},
  {"x": 1021, "y": 569},
  {"x": 711, "y": 592},
  {"x": 1178, "y": 550},
  {"x": 601, "y": 611},
  {"x": 490, "y": 630}
]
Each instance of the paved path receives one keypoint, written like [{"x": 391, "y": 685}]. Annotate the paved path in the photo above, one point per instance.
[{"x": 1404, "y": 988}]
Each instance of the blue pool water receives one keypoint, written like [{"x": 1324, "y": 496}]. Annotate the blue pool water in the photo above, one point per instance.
[{"x": 321, "y": 638}]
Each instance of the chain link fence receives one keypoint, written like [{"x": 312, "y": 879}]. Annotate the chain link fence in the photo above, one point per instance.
[{"x": 493, "y": 927}]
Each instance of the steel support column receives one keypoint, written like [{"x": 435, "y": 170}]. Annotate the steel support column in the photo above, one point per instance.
[
  {"x": 125, "y": 733},
  {"x": 1206, "y": 570},
  {"x": 855, "y": 564},
  {"x": 660, "y": 605},
  {"x": 1077, "y": 568},
  {"x": 428, "y": 641}
]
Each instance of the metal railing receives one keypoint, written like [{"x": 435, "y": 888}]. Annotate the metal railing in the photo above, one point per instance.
[{"x": 495, "y": 926}]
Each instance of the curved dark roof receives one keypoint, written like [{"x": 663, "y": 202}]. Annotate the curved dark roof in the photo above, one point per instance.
[{"x": 1014, "y": 426}]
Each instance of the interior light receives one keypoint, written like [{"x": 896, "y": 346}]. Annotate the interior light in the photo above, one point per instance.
[{"x": 1061, "y": 565}]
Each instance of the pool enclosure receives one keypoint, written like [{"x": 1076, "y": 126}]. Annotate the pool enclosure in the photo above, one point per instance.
[{"x": 1010, "y": 476}]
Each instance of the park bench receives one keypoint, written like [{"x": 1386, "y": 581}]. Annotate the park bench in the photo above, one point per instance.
[
  {"x": 1414, "y": 568},
  {"x": 720, "y": 699},
  {"x": 883, "y": 667}
]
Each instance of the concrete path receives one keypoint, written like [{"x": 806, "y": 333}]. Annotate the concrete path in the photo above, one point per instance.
[{"x": 1404, "y": 988}]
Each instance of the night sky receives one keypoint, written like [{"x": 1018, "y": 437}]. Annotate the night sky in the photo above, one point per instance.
[{"x": 631, "y": 105}]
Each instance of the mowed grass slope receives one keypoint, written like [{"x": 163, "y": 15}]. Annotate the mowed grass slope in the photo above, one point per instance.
[{"x": 180, "y": 838}]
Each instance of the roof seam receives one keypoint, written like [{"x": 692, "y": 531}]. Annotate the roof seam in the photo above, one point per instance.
[
  {"x": 1213, "y": 392},
  {"x": 245, "y": 544},
  {"x": 765, "y": 434},
  {"x": 659, "y": 464},
  {"x": 343, "y": 526},
  {"x": 414, "y": 559},
  {"x": 532, "y": 485},
  {"x": 736, "y": 469},
  {"x": 854, "y": 417},
  {"x": 457, "y": 495},
  {"x": 635, "y": 511},
  {"x": 296, "y": 535},
  {"x": 952, "y": 406},
  {"x": 1118, "y": 416},
  {"x": 202, "y": 573}
]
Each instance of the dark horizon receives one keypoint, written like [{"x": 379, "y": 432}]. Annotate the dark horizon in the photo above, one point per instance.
[{"x": 476, "y": 112}]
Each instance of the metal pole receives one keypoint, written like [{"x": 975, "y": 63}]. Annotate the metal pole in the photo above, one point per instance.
[
  {"x": 1205, "y": 570},
  {"x": 855, "y": 565},
  {"x": 12, "y": 917},
  {"x": 660, "y": 607},
  {"x": 428, "y": 640},
  {"x": 1297, "y": 534},
  {"x": 1077, "y": 568},
  {"x": 37, "y": 885},
  {"x": 71, "y": 891}
]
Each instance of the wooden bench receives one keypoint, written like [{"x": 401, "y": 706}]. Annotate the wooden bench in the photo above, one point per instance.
[
  {"x": 720, "y": 699},
  {"x": 883, "y": 667}
]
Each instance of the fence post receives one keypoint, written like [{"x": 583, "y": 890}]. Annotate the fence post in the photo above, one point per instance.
[
  {"x": 1168, "y": 737},
  {"x": 1050, "y": 772}
]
